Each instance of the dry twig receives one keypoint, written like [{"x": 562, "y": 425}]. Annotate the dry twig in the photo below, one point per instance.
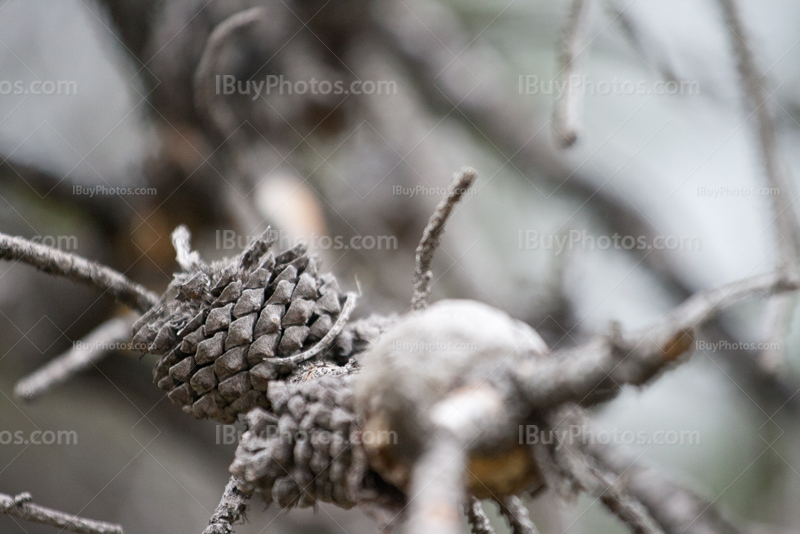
[
  {"x": 477, "y": 518},
  {"x": 567, "y": 108},
  {"x": 786, "y": 221},
  {"x": 517, "y": 514},
  {"x": 86, "y": 352},
  {"x": 54, "y": 261},
  {"x": 326, "y": 341},
  {"x": 219, "y": 116},
  {"x": 677, "y": 509},
  {"x": 433, "y": 231},
  {"x": 22, "y": 507},
  {"x": 231, "y": 509}
]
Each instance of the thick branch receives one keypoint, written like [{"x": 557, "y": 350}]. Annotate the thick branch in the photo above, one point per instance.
[
  {"x": 566, "y": 112},
  {"x": 587, "y": 374},
  {"x": 231, "y": 509},
  {"x": 433, "y": 231},
  {"x": 437, "y": 487},
  {"x": 21, "y": 507},
  {"x": 54, "y": 261},
  {"x": 84, "y": 353}
]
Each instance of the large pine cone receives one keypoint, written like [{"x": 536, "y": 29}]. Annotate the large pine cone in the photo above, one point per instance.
[{"x": 223, "y": 329}]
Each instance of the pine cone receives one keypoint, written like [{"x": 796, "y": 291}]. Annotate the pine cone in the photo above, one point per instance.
[
  {"x": 308, "y": 448},
  {"x": 224, "y": 329}
]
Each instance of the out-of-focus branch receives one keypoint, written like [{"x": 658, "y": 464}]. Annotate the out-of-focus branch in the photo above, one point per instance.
[
  {"x": 54, "y": 261},
  {"x": 594, "y": 479},
  {"x": 592, "y": 372},
  {"x": 433, "y": 231},
  {"x": 517, "y": 515},
  {"x": 477, "y": 518},
  {"x": 677, "y": 509},
  {"x": 107, "y": 212},
  {"x": 22, "y": 507},
  {"x": 785, "y": 221},
  {"x": 204, "y": 88},
  {"x": 231, "y": 509},
  {"x": 86, "y": 352},
  {"x": 437, "y": 488},
  {"x": 566, "y": 119}
]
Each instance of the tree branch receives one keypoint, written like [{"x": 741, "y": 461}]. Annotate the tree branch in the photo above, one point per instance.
[
  {"x": 786, "y": 221},
  {"x": 231, "y": 508},
  {"x": 477, "y": 518},
  {"x": 599, "y": 369},
  {"x": 676, "y": 509},
  {"x": 22, "y": 507},
  {"x": 54, "y": 261},
  {"x": 86, "y": 352},
  {"x": 433, "y": 231},
  {"x": 517, "y": 514},
  {"x": 218, "y": 115},
  {"x": 567, "y": 108}
]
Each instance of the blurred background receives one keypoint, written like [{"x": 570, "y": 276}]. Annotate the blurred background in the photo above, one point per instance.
[{"x": 110, "y": 136}]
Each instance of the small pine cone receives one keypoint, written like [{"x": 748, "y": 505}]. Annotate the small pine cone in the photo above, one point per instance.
[
  {"x": 308, "y": 448},
  {"x": 216, "y": 324}
]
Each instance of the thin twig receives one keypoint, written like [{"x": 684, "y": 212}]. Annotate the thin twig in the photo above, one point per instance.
[
  {"x": 219, "y": 116},
  {"x": 433, "y": 231},
  {"x": 326, "y": 341},
  {"x": 477, "y": 517},
  {"x": 786, "y": 222},
  {"x": 566, "y": 113},
  {"x": 100, "y": 342},
  {"x": 232, "y": 508},
  {"x": 188, "y": 259},
  {"x": 677, "y": 509},
  {"x": 601, "y": 483},
  {"x": 22, "y": 507},
  {"x": 517, "y": 514},
  {"x": 54, "y": 261}
]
